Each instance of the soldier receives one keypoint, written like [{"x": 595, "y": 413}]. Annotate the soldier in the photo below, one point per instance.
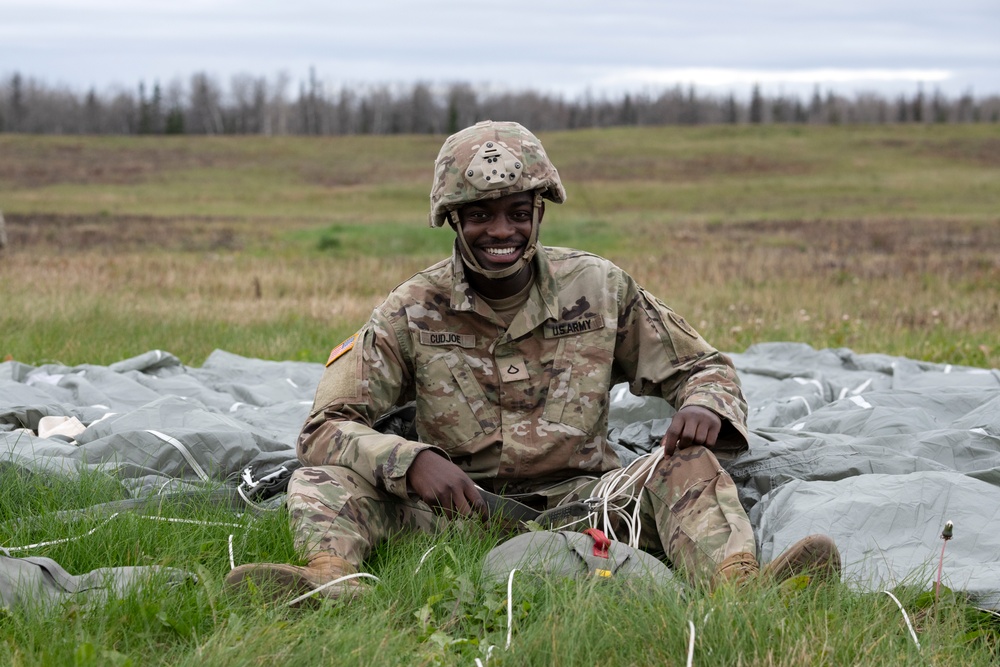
[{"x": 509, "y": 350}]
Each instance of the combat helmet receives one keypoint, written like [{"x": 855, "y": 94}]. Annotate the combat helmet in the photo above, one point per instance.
[{"x": 487, "y": 161}]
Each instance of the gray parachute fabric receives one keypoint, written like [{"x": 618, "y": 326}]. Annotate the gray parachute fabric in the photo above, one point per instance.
[
  {"x": 39, "y": 582},
  {"x": 166, "y": 431},
  {"x": 877, "y": 452},
  {"x": 574, "y": 555},
  {"x": 158, "y": 425},
  {"x": 874, "y": 450}
]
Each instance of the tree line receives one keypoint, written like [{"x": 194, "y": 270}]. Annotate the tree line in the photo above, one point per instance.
[{"x": 258, "y": 105}]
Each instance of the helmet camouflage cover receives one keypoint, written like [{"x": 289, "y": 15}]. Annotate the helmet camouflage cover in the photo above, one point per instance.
[{"x": 487, "y": 161}]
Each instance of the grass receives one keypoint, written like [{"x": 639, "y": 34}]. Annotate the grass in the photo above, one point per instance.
[
  {"x": 924, "y": 289},
  {"x": 881, "y": 239},
  {"x": 436, "y": 612}
]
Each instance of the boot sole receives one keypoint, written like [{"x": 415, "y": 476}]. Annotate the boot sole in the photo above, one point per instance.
[{"x": 278, "y": 583}]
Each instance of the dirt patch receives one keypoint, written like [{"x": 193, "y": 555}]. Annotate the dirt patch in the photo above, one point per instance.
[
  {"x": 699, "y": 168},
  {"x": 40, "y": 163},
  {"x": 846, "y": 237},
  {"x": 708, "y": 166},
  {"x": 74, "y": 233},
  {"x": 843, "y": 250},
  {"x": 981, "y": 152}
]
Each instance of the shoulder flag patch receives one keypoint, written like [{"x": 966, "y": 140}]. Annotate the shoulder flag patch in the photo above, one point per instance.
[{"x": 341, "y": 349}]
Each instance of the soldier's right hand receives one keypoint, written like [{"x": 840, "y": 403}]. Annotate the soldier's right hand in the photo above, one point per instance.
[{"x": 442, "y": 484}]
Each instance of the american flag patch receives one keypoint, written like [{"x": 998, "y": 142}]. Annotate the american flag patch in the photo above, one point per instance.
[{"x": 344, "y": 347}]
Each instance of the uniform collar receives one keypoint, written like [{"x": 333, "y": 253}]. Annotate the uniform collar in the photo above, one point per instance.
[{"x": 542, "y": 304}]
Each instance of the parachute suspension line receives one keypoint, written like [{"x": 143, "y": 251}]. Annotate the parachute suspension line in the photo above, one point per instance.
[
  {"x": 93, "y": 530},
  {"x": 909, "y": 626},
  {"x": 333, "y": 582},
  {"x": 424, "y": 557},
  {"x": 690, "y": 660},
  {"x": 251, "y": 503},
  {"x": 510, "y": 619},
  {"x": 625, "y": 486},
  {"x": 510, "y": 606}
]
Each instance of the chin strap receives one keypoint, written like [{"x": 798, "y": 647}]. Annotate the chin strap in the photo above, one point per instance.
[{"x": 529, "y": 252}]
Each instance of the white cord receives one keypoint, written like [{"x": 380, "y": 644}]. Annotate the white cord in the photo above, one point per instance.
[
  {"x": 167, "y": 483},
  {"x": 988, "y": 611},
  {"x": 251, "y": 503},
  {"x": 564, "y": 526},
  {"x": 65, "y": 539},
  {"x": 195, "y": 522},
  {"x": 185, "y": 452},
  {"x": 423, "y": 558},
  {"x": 117, "y": 514},
  {"x": 906, "y": 618},
  {"x": 232, "y": 563},
  {"x": 356, "y": 575},
  {"x": 620, "y": 489},
  {"x": 510, "y": 606},
  {"x": 691, "y": 644},
  {"x": 489, "y": 654}
]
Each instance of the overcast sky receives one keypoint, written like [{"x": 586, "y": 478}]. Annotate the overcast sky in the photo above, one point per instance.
[{"x": 558, "y": 46}]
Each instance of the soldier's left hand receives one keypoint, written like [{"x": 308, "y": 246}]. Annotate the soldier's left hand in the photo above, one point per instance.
[{"x": 692, "y": 425}]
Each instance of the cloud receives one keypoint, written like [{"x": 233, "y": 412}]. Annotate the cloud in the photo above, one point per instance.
[
  {"x": 564, "y": 46},
  {"x": 725, "y": 77}
]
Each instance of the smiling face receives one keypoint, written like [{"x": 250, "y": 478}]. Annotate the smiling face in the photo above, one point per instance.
[{"x": 497, "y": 231}]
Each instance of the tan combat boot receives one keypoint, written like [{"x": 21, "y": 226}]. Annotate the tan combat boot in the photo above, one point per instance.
[
  {"x": 816, "y": 556},
  {"x": 739, "y": 568},
  {"x": 283, "y": 583}
]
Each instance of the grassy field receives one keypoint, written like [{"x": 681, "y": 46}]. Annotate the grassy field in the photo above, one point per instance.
[{"x": 880, "y": 239}]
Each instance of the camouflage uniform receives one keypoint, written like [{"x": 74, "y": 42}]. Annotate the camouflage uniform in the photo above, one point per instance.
[{"x": 523, "y": 409}]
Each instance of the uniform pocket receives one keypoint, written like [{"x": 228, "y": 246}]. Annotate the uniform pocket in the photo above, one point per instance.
[
  {"x": 452, "y": 408},
  {"x": 578, "y": 393}
]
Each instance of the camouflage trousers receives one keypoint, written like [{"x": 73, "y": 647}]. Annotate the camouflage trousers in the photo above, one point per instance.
[{"x": 689, "y": 511}]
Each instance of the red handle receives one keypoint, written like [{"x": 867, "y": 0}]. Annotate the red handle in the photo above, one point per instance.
[{"x": 601, "y": 542}]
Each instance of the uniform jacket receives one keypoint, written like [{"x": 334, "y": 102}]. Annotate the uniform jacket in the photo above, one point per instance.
[{"x": 514, "y": 407}]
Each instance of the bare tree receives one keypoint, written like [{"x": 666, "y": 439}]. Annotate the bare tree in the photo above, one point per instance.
[
  {"x": 253, "y": 104},
  {"x": 756, "y": 105},
  {"x": 206, "y": 113},
  {"x": 424, "y": 115},
  {"x": 175, "y": 102},
  {"x": 277, "y": 105},
  {"x": 17, "y": 106},
  {"x": 150, "y": 110},
  {"x": 462, "y": 103},
  {"x": 249, "y": 107}
]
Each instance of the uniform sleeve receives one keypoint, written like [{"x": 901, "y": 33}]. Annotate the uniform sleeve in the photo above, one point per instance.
[
  {"x": 358, "y": 386},
  {"x": 661, "y": 354}
]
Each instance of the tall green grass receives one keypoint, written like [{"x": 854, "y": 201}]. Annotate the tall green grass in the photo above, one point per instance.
[{"x": 431, "y": 606}]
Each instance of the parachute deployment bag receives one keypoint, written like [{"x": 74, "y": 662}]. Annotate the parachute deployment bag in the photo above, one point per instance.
[{"x": 564, "y": 553}]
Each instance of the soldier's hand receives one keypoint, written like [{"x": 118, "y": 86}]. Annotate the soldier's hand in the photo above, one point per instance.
[
  {"x": 442, "y": 484},
  {"x": 692, "y": 425}
]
